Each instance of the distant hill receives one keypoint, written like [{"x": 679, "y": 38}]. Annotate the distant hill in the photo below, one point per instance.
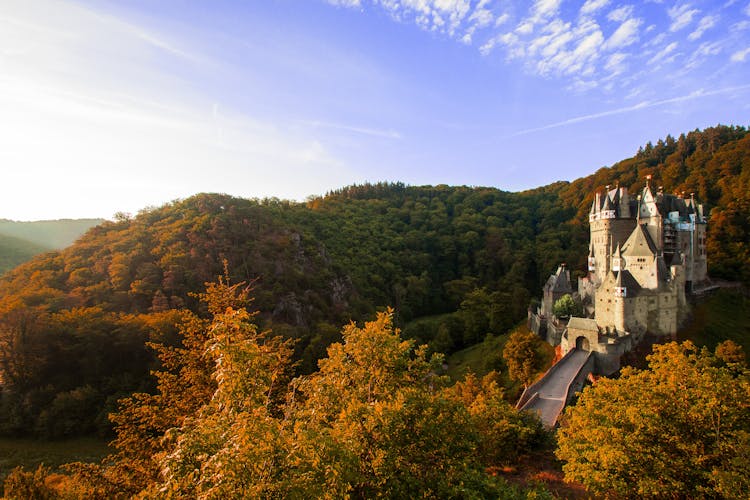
[
  {"x": 468, "y": 257},
  {"x": 20, "y": 241},
  {"x": 50, "y": 234},
  {"x": 15, "y": 251}
]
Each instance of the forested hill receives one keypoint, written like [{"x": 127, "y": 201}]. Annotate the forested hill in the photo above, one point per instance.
[{"x": 468, "y": 258}]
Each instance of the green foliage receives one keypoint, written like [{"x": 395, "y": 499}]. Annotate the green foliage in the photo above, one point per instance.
[
  {"x": 681, "y": 426},
  {"x": 565, "y": 307}
]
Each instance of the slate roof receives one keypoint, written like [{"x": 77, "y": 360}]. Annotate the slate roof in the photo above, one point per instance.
[{"x": 639, "y": 243}]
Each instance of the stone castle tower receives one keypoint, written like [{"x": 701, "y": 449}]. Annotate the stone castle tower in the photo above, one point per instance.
[{"x": 645, "y": 253}]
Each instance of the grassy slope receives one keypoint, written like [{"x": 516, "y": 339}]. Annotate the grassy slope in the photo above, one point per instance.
[
  {"x": 724, "y": 315},
  {"x": 30, "y": 453},
  {"x": 486, "y": 356}
]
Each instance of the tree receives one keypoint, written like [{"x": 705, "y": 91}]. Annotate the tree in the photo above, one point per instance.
[
  {"x": 730, "y": 352},
  {"x": 521, "y": 355},
  {"x": 377, "y": 422},
  {"x": 236, "y": 443},
  {"x": 566, "y": 306},
  {"x": 680, "y": 428}
]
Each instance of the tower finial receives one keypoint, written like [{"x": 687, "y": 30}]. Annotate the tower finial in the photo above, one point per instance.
[{"x": 638, "y": 211}]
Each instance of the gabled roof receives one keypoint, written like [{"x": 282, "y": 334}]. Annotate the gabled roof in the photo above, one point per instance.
[
  {"x": 562, "y": 283},
  {"x": 639, "y": 243},
  {"x": 583, "y": 324}
]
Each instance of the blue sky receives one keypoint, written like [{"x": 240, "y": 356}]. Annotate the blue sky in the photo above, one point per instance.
[{"x": 117, "y": 105}]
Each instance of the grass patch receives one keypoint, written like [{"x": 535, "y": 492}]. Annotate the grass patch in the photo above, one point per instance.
[
  {"x": 30, "y": 453},
  {"x": 486, "y": 356},
  {"x": 479, "y": 359}
]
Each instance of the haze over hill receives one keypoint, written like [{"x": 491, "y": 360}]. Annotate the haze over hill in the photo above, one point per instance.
[{"x": 20, "y": 241}]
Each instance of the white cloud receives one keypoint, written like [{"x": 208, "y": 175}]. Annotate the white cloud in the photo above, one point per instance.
[
  {"x": 545, "y": 8},
  {"x": 626, "y": 34},
  {"x": 704, "y": 24},
  {"x": 620, "y": 14},
  {"x": 345, "y": 3},
  {"x": 740, "y": 55},
  {"x": 591, "y": 6},
  {"x": 705, "y": 51},
  {"x": 663, "y": 55},
  {"x": 584, "y": 47},
  {"x": 681, "y": 16},
  {"x": 616, "y": 63}
]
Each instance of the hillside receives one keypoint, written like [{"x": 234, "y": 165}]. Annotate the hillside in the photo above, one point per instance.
[
  {"x": 469, "y": 258},
  {"x": 14, "y": 251}
]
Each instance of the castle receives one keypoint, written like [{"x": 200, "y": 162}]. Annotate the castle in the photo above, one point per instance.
[{"x": 645, "y": 254}]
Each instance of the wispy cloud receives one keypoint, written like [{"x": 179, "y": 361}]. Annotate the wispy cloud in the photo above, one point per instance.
[
  {"x": 663, "y": 54},
  {"x": 374, "y": 132},
  {"x": 699, "y": 94},
  {"x": 681, "y": 16},
  {"x": 707, "y": 22},
  {"x": 96, "y": 116},
  {"x": 592, "y": 6},
  {"x": 740, "y": 55}
]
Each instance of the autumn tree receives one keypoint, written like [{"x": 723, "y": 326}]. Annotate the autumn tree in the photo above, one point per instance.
[
  {"x": 382, "y": 424},
  {"x": 377, "y": 419},
  {"x": 184, "y": 385},
  {"x": 679, "y": 428},
  {"x": 234, "y": 445},
  {"x": 522, "y": 356}
]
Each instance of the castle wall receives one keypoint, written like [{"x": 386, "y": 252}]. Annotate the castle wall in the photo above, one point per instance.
[
  {"x": 643, "y": 270},
  {"x": 607, "y": 349}
]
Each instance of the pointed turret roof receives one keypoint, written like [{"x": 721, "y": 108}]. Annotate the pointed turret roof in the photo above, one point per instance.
[{"x": 608, "y": 203}]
